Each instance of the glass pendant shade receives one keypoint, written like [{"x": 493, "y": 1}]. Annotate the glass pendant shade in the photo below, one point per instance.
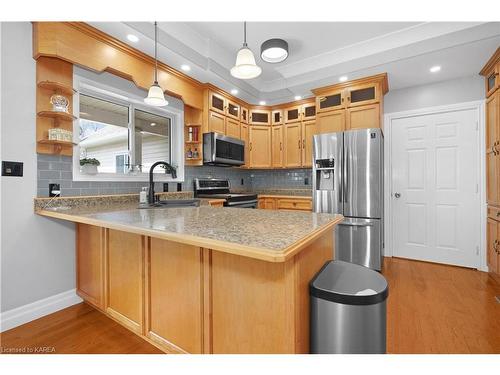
[
  {"x": 155, "y": 96},
  {"x": 245, "y": 67}
]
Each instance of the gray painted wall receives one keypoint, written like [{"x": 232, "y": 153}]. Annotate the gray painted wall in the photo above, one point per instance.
[
  {"x": 458, "y": 90},
  {"x": 37, "y": 254}
]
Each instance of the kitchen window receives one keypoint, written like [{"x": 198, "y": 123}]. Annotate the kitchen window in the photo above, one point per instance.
[{"x": 125, "y": 135}]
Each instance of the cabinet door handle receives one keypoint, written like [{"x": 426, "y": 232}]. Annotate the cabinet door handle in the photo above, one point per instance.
[
  {"x": 281, "y": 149},
  {"x": 299, "y": 144},
  {"x": 303, "y": 143},
  {"x": 250, "y": 146}
]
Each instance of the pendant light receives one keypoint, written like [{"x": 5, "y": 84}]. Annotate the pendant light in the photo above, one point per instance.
[
  {"x": 155, "y": 94},
  {"x": 245, "y": 67}
]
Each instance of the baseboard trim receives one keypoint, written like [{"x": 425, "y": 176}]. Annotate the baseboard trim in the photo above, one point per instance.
[{"x": 24, "y": 314}]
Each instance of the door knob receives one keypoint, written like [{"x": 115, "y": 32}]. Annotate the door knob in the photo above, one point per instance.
[{"x": 397, "y": 195}]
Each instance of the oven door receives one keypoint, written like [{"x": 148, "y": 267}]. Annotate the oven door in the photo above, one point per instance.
[{"x": 221, "y": 150}]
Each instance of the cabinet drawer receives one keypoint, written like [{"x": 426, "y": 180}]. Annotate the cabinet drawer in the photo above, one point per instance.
[
  {"x": 294, "y": 204},
  {"x": 494, "y": 213}
]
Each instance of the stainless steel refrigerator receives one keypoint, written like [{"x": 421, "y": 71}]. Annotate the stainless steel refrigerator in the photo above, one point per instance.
[{"x": 348, "y": 179}]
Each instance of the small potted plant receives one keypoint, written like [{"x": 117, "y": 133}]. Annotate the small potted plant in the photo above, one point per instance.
[{"x": 89, "y": 165}]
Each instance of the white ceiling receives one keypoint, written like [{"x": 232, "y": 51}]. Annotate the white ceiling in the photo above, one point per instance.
[{"x": 320, "y": 52}]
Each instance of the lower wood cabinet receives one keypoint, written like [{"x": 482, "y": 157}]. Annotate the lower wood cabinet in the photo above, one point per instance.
[
  {"x": 174, "y": 284},
  {"x": 124, "y": 278},
  {"x": 493, "y": 240},
  {"x": 290, "y": 203},
  {"x": 260, "y": 146}
]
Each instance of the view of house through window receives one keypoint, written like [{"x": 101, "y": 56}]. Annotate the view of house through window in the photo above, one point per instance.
[{"x": 121, "y": 137}]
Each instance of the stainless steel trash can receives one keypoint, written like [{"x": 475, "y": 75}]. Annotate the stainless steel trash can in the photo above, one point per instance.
[{"x": 348, "y": 310}]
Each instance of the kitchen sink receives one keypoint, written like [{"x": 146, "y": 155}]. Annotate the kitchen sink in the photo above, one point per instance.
[{"x": 174, "y": 203}]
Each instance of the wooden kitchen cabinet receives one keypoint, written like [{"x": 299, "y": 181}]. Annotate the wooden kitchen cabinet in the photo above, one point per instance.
[
  {"x": 277, "y": 117},
  {"x": 277, "y": 146},
  {"x": 245, "y": 138},
  {"x": 260, "y": 146},
  {"x": 363, "y": 117},
  {"x": 293, "y": 145},
  {"x": 493, "y": 149},
  {"x": 293, "y": 114},
  {"x": 493, "y": 245},
  {"x": 289, "y": 203},
  {"x": 233, "y": 110},
  {"x": 308, "y": 131},
  {"x": 175, "y": 288},
  {"x": 260, "y": 117},
  {"x": 309, "y": 111},
  {"x": 233, "y": 128},
  {"x": 331, "y": 101},
  {"x": 363, "y": 94},
  {"x": 491, "y": 73},
  {"x": 330, "y": 122},
  {"x": 217, "y": 103},
  {"x": 90, "y": 264},
  {"x": 216, "y": 122},
  {"x": 124, "y": 278},
  {"x": 244, "y": 115}
]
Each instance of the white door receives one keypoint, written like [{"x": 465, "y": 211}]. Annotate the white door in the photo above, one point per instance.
[{"x": 435, "y": 198}]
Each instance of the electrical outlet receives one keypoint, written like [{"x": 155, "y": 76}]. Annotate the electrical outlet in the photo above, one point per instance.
[
  {"x": 54, "y": 190},
  {"x": 306, "y": 180},
  {"x": 242, "y": 181},
  {"x": 12, "y": 168}
]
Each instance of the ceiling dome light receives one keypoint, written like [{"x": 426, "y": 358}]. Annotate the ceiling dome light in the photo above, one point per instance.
[
  {"x": 132, "y": 38},
  {"x": 274, "y": 50},
  {"x": 155, "y": 94},
  {"x": 245, "y": 67},
  {"x": 435, "y": 69}
]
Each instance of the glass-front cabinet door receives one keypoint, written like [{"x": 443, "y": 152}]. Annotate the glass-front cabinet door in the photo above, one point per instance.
[
  {"x": 244, "y": 115},
  {"x": 363, "y": 94},
  {"x": 292, "y": 114},
  {"x": 309, "y": 111},
  {"x": 260, "y": 117},
  {"x": 492, "y": 80},
  {"x": 233, "y": 110},
  {"x": 330, "y": 101},
  {"x": 277, "y": 117},
  {"x": 217, "y": 103}
]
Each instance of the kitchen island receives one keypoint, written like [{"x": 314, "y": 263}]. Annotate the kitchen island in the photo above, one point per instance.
[{"x": 203, "y": 279}]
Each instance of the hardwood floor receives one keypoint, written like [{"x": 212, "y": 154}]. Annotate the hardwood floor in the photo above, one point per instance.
[
  {"x": 432, "y": 308},
  {"x": 78, "y": 329},
  {"x": 435, "y": 308}
]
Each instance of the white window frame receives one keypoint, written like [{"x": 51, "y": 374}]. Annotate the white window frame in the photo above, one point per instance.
[{"x": 102, "y": 91}]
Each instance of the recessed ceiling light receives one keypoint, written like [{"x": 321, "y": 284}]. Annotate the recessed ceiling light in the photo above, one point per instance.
[
  {"x": 133, "y": 38},
  {"x": 274, "y": 50},
  {"x": 185, "y": 67},
  {"x": 297, "y": 97},
  {"x": 153, "y": 124},
  {"x": 435, "y": 69},
  {"x": 234, "y": 91},
  {"x": 343, "y": 79},
  {"x": 262, "y": 102}
]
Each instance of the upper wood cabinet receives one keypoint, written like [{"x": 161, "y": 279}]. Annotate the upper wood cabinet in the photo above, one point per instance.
[
  {"x": 362, "y": 94},
  {"x": 233, "y": 128},
  {"x": 491, "y": 73},
  {"x": 277, "y": 146},
  {"x": 330, "y": 122},
  {"x": 217, "y": 103},
  {"x": 363, "y": 117},
  {"x": 293, "y": 114},
  {"x": 260, "y": 117},
  {"x": 493, "y": 149},
  {"x": 244, "y": 137},
  {"x": 309, "y": 129},
  {"x": 331, "y": 101},
  {"x": 309, "y": 111},
  {"x": 277, "y": 117},
  {"x": 216, "y": 122},
  {"x": 293, "y": 145},
  {"x": 244, "y": 115},
  {"x": 259, "y": 146},
  {"x": 233, "y": 110}
]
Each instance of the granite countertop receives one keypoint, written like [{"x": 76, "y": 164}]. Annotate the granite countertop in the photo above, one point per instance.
[{"x": 263, "y": 234}]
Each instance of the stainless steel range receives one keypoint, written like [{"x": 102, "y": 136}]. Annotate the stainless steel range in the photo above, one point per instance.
[{"x": 220, "y": 189}]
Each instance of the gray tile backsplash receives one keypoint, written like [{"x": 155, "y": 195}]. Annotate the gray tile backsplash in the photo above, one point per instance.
[{"x": 58, "y": 169}]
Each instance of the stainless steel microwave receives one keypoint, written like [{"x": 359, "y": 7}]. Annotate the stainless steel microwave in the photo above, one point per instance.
[{"x": 221, "y": 150}]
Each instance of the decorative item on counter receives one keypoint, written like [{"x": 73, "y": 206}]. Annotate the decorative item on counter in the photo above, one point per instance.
[
  {"x": 190, "y": 134},
  {"x": 196, "y": 154},
  {"x": 57, "y": 134},
  {"x": 143, "y": 195},
  {"x": 89, "y": 165},
  {"x": 59, "y": 103},
  {"x": 189, "y": 154}
]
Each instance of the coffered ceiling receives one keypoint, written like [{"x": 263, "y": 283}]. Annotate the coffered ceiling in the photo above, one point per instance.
[{"x": 319, "y": 52}]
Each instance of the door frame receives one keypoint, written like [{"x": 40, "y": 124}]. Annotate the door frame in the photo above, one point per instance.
[{"x": 479, "y": 107}]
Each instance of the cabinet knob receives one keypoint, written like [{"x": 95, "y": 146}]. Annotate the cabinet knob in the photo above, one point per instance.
[{"x": 299, "y": 143}]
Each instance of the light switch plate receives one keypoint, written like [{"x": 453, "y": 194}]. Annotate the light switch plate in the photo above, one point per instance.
[{"x": 12, "y": 168}]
